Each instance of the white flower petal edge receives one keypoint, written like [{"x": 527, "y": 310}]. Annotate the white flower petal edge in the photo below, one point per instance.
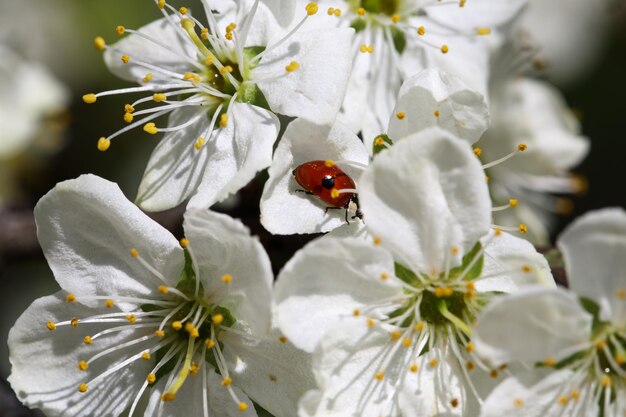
[
  {"x": 434, "y": 98},
  {"x": 593, "y": 247},
  {"x": 285, "y": 211},
  {"x": 315, "y": 91},
  {"x": 83, "y": 224},
  {"x": 328, "y": 279},
  {"x": 425, "y": 195},
  {"x": 478, "y": 13},
  {"x": 552, "y": 321}
]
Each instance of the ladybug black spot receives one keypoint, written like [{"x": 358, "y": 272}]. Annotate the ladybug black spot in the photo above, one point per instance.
[{"x": 328, "y": 182}]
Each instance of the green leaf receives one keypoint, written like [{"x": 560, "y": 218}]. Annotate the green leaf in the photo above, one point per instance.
[{"x": 381, "y": 142}]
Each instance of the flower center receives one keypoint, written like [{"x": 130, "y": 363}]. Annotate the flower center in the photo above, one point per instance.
[{"x": 388, "y": 7}]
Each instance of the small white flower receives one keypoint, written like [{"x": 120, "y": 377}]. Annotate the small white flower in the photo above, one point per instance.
[
  {"x": 389, "y": 321},
  {"x": 140, "y": 316},
  {"x": 581, "y": 340},
  {"x": 221, "y": 85}
]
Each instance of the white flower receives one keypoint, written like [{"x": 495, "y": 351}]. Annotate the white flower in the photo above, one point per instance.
[
  {"x": 397, "y": 39},
  {"x": 139, "y": 315},
  {"x": 430, "y": 98},
  {"x": 533, "y": 113},
  {"x": 578, "y": 343},
  {"x": 389, "y": 321},
  {"x": 221, "y": 86}
]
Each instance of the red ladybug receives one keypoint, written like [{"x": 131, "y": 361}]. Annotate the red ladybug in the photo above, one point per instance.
[{"x": 323, "y": 179}]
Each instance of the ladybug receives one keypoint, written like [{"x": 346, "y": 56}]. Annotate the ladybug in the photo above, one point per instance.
[{"x": 323, "y": 179}]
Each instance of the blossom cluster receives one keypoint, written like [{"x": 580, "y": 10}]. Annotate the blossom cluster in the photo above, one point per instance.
[{"x": 414, "y": 137}]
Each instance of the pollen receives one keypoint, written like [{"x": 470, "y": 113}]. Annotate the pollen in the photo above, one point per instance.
[
  {"x": 444, "y": 49},
  {"x": 191, "y": 76},
  {"x": 283, "y": 339},
  {"x": 563, "y": 400},
  {"x": 433, "y": 362},
  {"x": 523, "y": 229},
  {"x": 311, "y": 8},
  {"x": 293, "y": 66},
  {"x": 194, "y": 368},
  {"x": 337, "y": 12},
  {"x": 70, "y": 298},
  {"x": 217, "y": 319},
  {"x": 477, "y": 151},
  {"x": 395, "y": 335},
  {"x": 74, "y": 322},
  {"x": 379, "y": 376},
  {"x": 379, "y": 141},
  {"x": 400, "y": 115},
  {"x": 384, "y": 276},
  {"x": 164, "y": 289},
  {"x": 82, "y": 365},
  {"x": 470, "y": 366},
  {"x": 518, "y": 402},
  {"x": 421, "y": 30},
  {"x": 356, "y": 312},
  {"x": 522, "y": 147},
  {"x": 395, "y": 18},
  {"x": 243, "y": 406},
  {"x": 370, "y": 322},
  {"x": 331, "y": 11},
  {"x": 575, "y": 394},
  {"x": 90, "y": 98},
  {"x": 469, "y": 347},
  {"x": 223, "y": 120},
  {"x": 150, "y": 128},
  {"x": 419, "y": 326},
  {"x": 226, "y": 278},
  {"x": 454, "y": 250},
  {"x": 414, "y": 367},
  {"x": 128, "y": 117},
  {"x": 360, "y": 11},
  {"x": 497, "y": 231},
  {"x": 51, "y": 326},
  {"x": 120, "y": 30},
  {"x": 99, "y": 43},
  {"x": 146, "y": 356},
  {"x": 159, "y": 97},
  {"x": 87, "y": 340},
  {"x": 131, "y": 318},
  {"x": 377, "y": 240},
  {"x": 168, "y": 396},
  {"x": 199, "y": 144},
  {"x": 103, "y": 144},
  {"x": 159, "y": 333},
  {"x": 436, "y": 112},
  {"x": 125, "y": 59},
  {"x": 513, "y": 202},
  {"x": 483, "y": 31},
  {"x": 227, "y": 382},
  {"x": 151, "y": 378},
  {"x": 470, "y": 286},
  {"x": 184, "y": 242},
  {"x": 161, "y": 4},
  {"x": 454, "y": 402},
  {"x": 443, "y": 292},
  {"x": 183, "y": 10},
  {"x": 204, "y": 33},
  {"x": 108, "y": 303},
  {"x": 177, "y": 325},
  {"x": 406, "y": 342},
  {"x": 134, "y": 253},
  {"x": 147, "y": 78},
  {"x": 493, "y": 373},
  {"x": 226, "y": 69},
  {"x": 210, "y": 343},
  {"x": 83, "y": 388}
]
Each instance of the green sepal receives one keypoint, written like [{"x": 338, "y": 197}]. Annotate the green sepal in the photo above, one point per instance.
[
  {"x": 187, "y": 280},
  {"x": 399, "y": 39},
  {"x": 252, "y": 94},
  {"x": 405, "y": 274},
  {"x": 387, "y": 142},
  {"x": 358, "y": 25},
  {"x": 260, "y": 411},
  {"x": 250, "y": 52},
  {"x": 147, "y": 308},
  {"x": 476, "y": 269}
]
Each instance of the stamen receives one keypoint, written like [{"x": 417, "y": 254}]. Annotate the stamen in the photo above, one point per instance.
[{"x": 520, "y": 148}]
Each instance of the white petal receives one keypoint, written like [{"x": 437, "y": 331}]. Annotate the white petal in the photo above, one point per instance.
[
  {"x": 220, "y": 245},
  {"x": 45, "y": 370},
  {"x": 474, "y": 14},
  {"x": 460, "y": 110},
  {"x": 285, "y": 211},
  {"x": 594, "y": 249},
  {"x": 531, "y": 326},
  {"x": 175, "y": 55},
  {"x": 274, "y": 374},
  {"x": 424, "y": 195},
  {"x": 87, "y": 228},
  {"x": 328, "y": 279},
  {"x": 512, "y": 263},
  {"x": 314, "y": 91},
  {"x": 240, "y": 150}
]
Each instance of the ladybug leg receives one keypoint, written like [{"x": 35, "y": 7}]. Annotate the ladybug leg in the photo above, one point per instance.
[
  {"x": 330, "y": 208},
  {"x": 305, "y": 191}
]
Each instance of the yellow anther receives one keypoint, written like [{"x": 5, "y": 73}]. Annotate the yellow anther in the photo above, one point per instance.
[
  {"x": 108, "y": 303},
  {"x": 243, "y": 406},
  {"x": 454, "y": 250},
  {"x": 360, "y": 11},
  {"x": 518, "y": 402},
  {"x": 161, "y": 4},
  {"x": 311, "y": 8},
  {"x": 620, "y": 358},
  {"x": 90, "y": 98},
  {"x": 395, "y": 18},
  {"x": 227, "y": 381},
  {"x": 103, "y": 144},
  {"x": 497, "y": 231},
  {"x": 493, "y": 373},
  {"x": 150, "y": 128},
  {"x": 146, "y": 356},
  {"x": 370, "y": 322},
  {"x": 444, "y": 49},
  {"x": 128, "y": 117},
  {"x": 419, "y": 326},
  {"x": 523, "y": 229},
  {"x": 210, "y": 343},
  {"x": 217, "y": 319},
  {"x": 522, "y": 147},
  {"x": 462, "y": 3},
  {"x": 400, "y": 115},
  {"x": 414, "y": 367},
  {"x": 83, "y": 388},
  {"x": 283, "y": 339},
  {"x": 164, "y": 289},
  {"x": 379, "y": 141},
  {"x": 363, "y": 48},
  {"x": 229, "y": 36},
  {"x": 120, "y": 30},
  {"x": 159, "y": 333},
  {"x": 621, "y": 293},
  {"x": 191, "y": 76},
  {"x": 550, "y": 362},
  {"x": 134, "y": 253},
  {"x": 443, "y": 292},
  {"x": 433, "y": 362},
  {"x": 226, "y": 278},
  {"x": 470, "y": 286},
  {"x": 223, "y": 120},
  {"x": 421, "y": 30},
  {"x": 575, "y": 394},
  {"x": 199, "y": 144},
  {"x": 204, "y": 33},
  {"x": 334, "y": 193},
  {"x": 159, "y": 97},
  {"x": 395, "y": 335},
  {"x": 600, "y": 344},
  {"x": 469, "y": 347},
  {"x": 151, "y": 378},
  {"x": 338, "y": 12},
  {"x": 483, "y": 31},
  {"x": 454, "y": 402},
  {"x": 486, "y": 178},
  {"x": 293, "y": 66},
  {"x": 606, "y": 381},
  {"x": 82, "y": 365},
  {"x": 74, "y": 322},
  {"x": 183, "y": 10},
  {"x": 377, "y": 240},
  {"x": 406, "y": 342},
  {"x": 379, "y": 376},
  {"x": 147, "y": 78},
  {"x": 231, "y": 26},
  {"x": 513, "y": 202},
  {"x": 436, "y": 113},
  {"x": 187, "y": 24},
  {"x": 131, "y": 318},
  {"x": 99, "y": 43},
  {"x": 226, "y": 69},
  {"x": 331, "y": 11},
  {"x": 184, "y": 242},
  {"x": 87, "y": 340},
  {"x": 70, "y": 298},
  {"x": 370, "y": 49},
  {"x": 177, "y": 325},
  {"x": 208, "y": 60},
  {"x": 51, "y": 326},
  {"x": 477, "y": 151},
  {"x": 470, "y": 366},
  {"x": 167, "y": 397},
  {"x": 194, "y": 368},
  {"x": 563, "y": 400},
  {"x": 527, "y": 268},
  {"x": 125, "y": 58},
  {"x": 356, "y": 312},
  {"x": 384, "y": 276}
]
